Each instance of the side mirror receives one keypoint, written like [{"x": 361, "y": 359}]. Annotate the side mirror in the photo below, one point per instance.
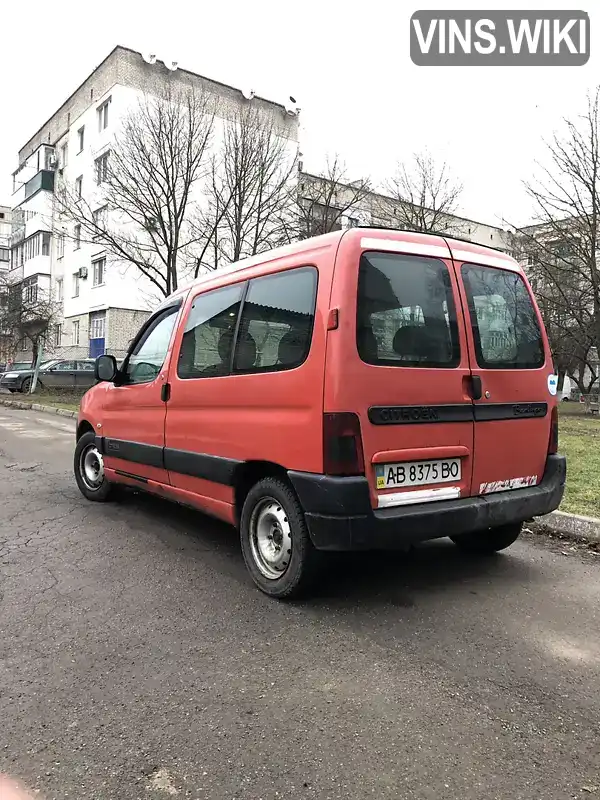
[{"x": 105, "y": 368}]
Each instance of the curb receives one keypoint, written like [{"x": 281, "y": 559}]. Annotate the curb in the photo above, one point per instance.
[
  {"x": 572, "y": 526},
  {"x": 62, "y": 412}
]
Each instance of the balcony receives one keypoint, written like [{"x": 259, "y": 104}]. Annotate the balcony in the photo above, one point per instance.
[{"x": 43, "y": 180}]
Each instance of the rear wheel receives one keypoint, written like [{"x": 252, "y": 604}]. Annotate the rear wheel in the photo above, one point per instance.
[
  {"x": 88, "y": 466},
  {"x": 490, "y": 541},
  {"x": 275, "y": 541}
]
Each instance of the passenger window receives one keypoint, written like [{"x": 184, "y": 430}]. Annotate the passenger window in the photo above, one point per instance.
[
  {"x": 208, "y": 336},
  {"x": 505, "y": 326},
  {"x": 277, "y": 321},
  {"x": 65, "y": 366},
  {"x": 406, "y": 315},
  {"x": 148, "y": 355}
]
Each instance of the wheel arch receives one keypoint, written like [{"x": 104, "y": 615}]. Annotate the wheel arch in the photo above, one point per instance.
[
  {"x": 247, "y": 474},
  {"x": 84, "y": 427}
]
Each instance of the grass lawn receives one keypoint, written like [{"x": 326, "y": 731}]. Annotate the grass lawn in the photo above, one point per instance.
[{"x": 579, "y": 441}]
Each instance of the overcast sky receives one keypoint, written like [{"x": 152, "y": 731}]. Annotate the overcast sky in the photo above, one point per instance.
[{"x": 349, "y": 70}]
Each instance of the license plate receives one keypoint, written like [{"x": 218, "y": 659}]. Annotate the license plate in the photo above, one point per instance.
[{"x": 417, "y": 473}]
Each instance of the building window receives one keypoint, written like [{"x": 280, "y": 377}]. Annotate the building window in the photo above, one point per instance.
[
  {"x": 101, "y": 167},
  {"x": 45, "y": 244},
  {"x": 99, "y": 219},
  {"x": 98, "y": 267},
  {"x": 4, "y": 254},
  {"x": 75, "y": 332},
  {"x": 64, "y": 155},
  {"x": 81, "y": 137},
  {"x": 98, "y": 325},
  {"x": 59, "y": 290},
  {"x": 103, "y": 115},
  {"x": 58, "y": 335},
  {"x": 79, "y": 186},
  {"x": 60, "y": 245},
  {"x": 76, "y": 284},
  {"x": 30, "y": 291},
  {"x": 77, "y": 237}
]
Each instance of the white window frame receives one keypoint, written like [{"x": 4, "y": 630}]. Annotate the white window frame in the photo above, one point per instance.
[
  {"x": 76, "y": 284},
  {"x": 101, "y": 167},
  {"x": 75, "y": 332},
  {"x": 79, "y": 186},
  {"x": 102, "y": 112},
  {"x": 60, "y": 245},
  {"x": 77, "y": 237},
  {"x": 98, "y": 326},
  {"x": 81, "y": 138},
  {"x": 58, "y": 333},
  {"x": 98, "y": 271},
  {"x": 60, "y": 290}
]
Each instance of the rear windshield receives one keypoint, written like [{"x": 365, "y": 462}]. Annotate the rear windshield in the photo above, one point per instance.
[
  {"x": 405, "y": 312},
  {"x": 505, "y": 325}
]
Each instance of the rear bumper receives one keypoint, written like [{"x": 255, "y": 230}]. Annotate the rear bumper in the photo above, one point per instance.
[{"x": 339, "y": 515}]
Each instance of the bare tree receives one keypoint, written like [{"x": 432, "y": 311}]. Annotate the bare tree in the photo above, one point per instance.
[
  {"x": 563, "y": 246},
  {"x": 27, "y": 313},
  {"x": 148, "y": 186},
  {"x": 323, "y": 201},
  {"x": 424, "y": 196},
  {"x": 247, "y": 197}
]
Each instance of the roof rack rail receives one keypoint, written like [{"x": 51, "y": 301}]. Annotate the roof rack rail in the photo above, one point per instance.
[{"x": 433, "y": 233}]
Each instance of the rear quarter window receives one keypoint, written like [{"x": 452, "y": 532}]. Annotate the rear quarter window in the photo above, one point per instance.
[
  {"x": 406, "y": 315},
  {"x": 505, "y": 325}
]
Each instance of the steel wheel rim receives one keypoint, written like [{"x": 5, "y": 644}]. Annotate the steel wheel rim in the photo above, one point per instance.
[
  {"x": 91, "y": 467},
  {"x": 270, "y": 538}
]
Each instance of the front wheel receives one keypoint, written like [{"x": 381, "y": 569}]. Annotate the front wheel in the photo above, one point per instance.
[
  {"x": 26, "y": 386},
  {"x": 88, "y": 466},
  {"x": 276, "y": 545},
  {"x": 490, "y": 541}
]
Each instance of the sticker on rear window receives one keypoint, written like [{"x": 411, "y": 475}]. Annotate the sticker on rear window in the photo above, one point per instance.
[{"x": 552, "y": 384}]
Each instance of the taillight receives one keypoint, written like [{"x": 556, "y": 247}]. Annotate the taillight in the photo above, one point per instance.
[
  {"x": 342, "y": 445},
  {"x": 553, "y": 441}
]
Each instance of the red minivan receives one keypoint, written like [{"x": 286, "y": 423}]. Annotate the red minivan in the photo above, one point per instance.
[{"x": 365, "y": 389}]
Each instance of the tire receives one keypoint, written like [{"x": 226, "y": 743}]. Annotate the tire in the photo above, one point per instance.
[
  {"x": 490, "y": 541},
  {"x": 86, "y": 453},
  {"x": 25, "y": 386},
  {"x": 272, "y": 527}
]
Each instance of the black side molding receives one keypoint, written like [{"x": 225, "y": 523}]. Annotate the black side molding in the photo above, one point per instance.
[
  {"x": 411, "y": 415},
  {"x": 149, "y": 454},
  {"x": 491, "y": 411},
  {"x": 200, "y": 465},
  {"x": 462, "y": 412}
]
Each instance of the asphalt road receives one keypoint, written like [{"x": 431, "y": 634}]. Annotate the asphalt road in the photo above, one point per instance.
[{"x": 138, "y": 661}]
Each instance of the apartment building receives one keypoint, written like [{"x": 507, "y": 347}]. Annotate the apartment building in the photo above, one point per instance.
[
  {"x": 376, "y": 208},
  {"x": 99, "y": 302}
]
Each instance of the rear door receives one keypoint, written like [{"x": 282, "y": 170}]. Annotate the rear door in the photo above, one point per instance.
[
  {"x": 513, "y": 377},
  {"x": 400, "y": 361}
]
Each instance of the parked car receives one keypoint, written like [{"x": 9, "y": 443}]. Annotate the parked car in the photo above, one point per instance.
[
  {"x": 13, "y": 371},
  {"x": 54, "y": 374},
  {"x": 365, "y": 389}
]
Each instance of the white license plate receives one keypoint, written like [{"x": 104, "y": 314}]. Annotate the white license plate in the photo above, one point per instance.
[{"x": 417, "y": 473}]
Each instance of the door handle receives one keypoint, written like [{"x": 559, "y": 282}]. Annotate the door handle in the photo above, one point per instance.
[
  {"x": 165, "y": 392},
  {"x": 476, "y": 387}
]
